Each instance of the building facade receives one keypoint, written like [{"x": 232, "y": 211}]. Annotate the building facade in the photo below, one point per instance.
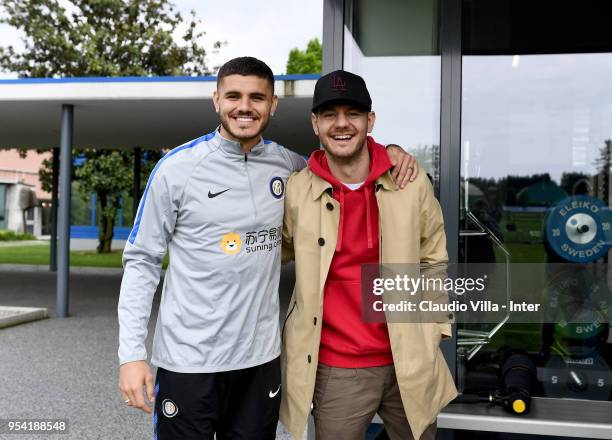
[
  {"x": 24, "y": 205},
  {"x": 507, "y": 104}
]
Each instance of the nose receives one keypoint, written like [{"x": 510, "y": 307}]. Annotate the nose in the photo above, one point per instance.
[
  {"x": 245, "y": 104},
  {"x": 341, "y": 120}
]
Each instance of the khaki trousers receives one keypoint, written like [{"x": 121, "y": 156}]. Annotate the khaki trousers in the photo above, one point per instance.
[{"x": 346, "y": 400}]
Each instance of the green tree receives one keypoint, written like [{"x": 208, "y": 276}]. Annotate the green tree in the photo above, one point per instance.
[
  {"x": 604, "y": 164},
  {"x": 102, "y": 38},
  {"x": 108, "y": 174},
  {"x": 306, "y": 61}
]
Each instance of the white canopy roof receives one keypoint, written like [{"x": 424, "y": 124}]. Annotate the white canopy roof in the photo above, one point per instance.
[{"x": 145, "y": 112}]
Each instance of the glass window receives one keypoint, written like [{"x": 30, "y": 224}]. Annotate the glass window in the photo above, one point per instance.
[
  {"x": 394, "y": 46},
  {"x": 537, "y": 132}
]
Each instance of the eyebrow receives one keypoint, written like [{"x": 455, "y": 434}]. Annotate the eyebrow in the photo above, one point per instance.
[{"x": 252, "y": 95}]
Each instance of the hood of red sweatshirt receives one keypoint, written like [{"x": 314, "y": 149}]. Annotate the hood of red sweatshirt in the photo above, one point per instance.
[{"x": 379, "y": 165}]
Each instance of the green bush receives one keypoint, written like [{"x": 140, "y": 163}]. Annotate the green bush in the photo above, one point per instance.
[{"x": 11, "y": 236}]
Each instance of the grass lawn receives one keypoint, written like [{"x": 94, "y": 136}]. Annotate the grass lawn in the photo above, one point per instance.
[{"x": 39, "y": 254}]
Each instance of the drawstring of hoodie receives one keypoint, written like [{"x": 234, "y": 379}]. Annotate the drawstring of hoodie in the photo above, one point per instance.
[{"x": 366, "y": 192}]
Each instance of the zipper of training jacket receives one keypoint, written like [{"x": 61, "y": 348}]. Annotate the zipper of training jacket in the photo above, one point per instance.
[{"x": 246, "y": 168}]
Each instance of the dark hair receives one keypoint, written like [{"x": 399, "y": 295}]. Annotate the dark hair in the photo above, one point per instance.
[{"x": 246, "y": 66}]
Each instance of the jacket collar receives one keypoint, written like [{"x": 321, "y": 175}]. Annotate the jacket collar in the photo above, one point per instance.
[
  {"x": 319, "y": 185},
  {"x": 233, "y": 148}
]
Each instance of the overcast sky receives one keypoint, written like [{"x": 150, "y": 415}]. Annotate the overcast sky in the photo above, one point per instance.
[{"x": 265, "y": 29}]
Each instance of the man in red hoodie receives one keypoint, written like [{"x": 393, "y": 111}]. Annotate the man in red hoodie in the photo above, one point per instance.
[
  {"x": 336, "y": 200},
  {"x": 351, "y": 163}
]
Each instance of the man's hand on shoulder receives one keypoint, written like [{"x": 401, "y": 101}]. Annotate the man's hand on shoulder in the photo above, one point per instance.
[
  {"x": 133, "y": 377},
  {"x": 405, "y": 167}
]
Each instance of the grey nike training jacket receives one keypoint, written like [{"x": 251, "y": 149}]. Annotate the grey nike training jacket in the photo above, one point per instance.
[{"x": 219, "y": 214}]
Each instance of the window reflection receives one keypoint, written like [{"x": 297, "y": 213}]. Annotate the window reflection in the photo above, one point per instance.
[
  {"x": 401, "y": 67},
  {"x": 536, "y": 134}
]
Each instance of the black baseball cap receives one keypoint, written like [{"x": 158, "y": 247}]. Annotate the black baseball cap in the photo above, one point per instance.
[{"x": 340, "y": 85}]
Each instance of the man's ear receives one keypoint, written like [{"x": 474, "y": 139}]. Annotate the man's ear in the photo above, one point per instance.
[
  {"x": 371, "y": 121},
  {"x": 274, "y": 105},
  {"x": 216, "y": 101},
  {"x": 315, "y": 128}
]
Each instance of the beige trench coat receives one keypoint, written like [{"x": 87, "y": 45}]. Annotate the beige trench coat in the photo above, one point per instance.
[{"x": 411, "y": 231}]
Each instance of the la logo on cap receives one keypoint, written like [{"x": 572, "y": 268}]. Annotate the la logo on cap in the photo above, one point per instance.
[{"x": 338, "y": 83}]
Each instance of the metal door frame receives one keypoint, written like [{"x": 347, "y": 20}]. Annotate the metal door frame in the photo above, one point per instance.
[{"x": 450, "y": 115}]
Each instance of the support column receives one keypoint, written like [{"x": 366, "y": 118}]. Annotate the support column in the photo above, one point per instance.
[
  {"x": 54, "y": 202},
  {"x": 63, "y": 261},
  {"x": 450, "y": 143},
  {"x": 137, "y": 167}
]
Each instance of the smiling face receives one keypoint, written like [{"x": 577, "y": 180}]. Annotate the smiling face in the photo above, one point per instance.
[
  {"x": 244, "y": 105},
  {"x": 342, "y": 129}
]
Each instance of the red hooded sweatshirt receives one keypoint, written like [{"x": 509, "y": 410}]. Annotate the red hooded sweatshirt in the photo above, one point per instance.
[{"x": 347, "y": 341}]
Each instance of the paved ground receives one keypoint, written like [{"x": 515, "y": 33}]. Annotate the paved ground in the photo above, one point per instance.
[{"x": 67, "y": 368}]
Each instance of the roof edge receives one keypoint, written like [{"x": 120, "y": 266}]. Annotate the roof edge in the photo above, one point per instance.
[{"x": 142, "y": 79}]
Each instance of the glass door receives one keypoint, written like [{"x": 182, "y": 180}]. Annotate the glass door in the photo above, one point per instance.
[
  {"x": 536, "y": 144},
  {"x": 533, "y": 83}
]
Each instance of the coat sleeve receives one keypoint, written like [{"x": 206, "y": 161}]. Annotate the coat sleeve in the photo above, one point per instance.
[
  {"x": 288, "y": 252},
  {"x": 433, "y": 255},
  {"x": 142, "y": 262}
]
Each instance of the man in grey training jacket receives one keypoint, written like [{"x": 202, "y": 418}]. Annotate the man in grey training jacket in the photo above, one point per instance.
[{"x": 215, "y": 204}]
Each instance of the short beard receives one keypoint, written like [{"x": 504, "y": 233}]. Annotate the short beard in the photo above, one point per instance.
[
  {"x": 226, "y": 126},
  {"x": 346, "y": 159}
]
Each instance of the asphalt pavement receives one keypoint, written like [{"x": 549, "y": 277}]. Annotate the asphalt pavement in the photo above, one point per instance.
[{"x": 67, "y": 368}]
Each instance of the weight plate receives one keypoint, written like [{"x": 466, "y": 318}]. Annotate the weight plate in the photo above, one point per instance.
[
  {"x": 577, "y": 378},
  {"x": 577, "y": 229},
  {"x": 578, "y": 301}
]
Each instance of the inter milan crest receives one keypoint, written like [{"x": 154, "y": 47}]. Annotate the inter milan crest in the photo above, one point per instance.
[
  {"x": 169, "y": 408},
  {"x": 277, "y": 187}
]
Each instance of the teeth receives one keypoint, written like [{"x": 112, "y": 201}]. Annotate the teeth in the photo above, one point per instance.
[{"x": 341, "y": 138}]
